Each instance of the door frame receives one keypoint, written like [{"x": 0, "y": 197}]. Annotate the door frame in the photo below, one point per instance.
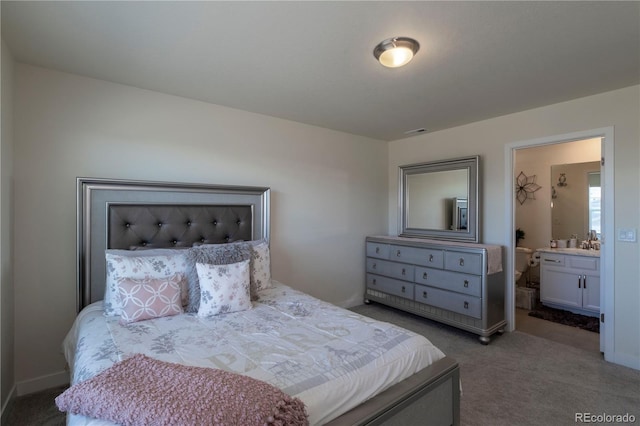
[{"x": 607, "y": 275}]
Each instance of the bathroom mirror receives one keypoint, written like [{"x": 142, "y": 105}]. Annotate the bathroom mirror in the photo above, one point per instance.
[
  {"x": 439, "y": 200},
  {"x": 575, "y": 200}
]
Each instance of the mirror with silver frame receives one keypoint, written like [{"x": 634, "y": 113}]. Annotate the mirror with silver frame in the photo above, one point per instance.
[{"x": 439, "y": 200}]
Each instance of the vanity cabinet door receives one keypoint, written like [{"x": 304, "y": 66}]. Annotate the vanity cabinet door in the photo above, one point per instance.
[
  {"x": 560, "y": 287},
  {"x": 591, "y": 292}
]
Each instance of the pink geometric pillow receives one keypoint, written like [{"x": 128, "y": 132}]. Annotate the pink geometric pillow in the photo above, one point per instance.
[{"x": 149, "y": 298}]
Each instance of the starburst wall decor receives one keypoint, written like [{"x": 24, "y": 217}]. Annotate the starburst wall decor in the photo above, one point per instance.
[{"x": 526, "y": 187}]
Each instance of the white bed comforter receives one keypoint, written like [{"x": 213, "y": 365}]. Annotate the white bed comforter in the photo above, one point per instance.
[{"x": 329, "y": 357}]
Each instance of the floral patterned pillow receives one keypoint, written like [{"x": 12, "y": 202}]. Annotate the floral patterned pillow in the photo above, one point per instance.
[
  {"x": 144, "y": 299},
  {"x": 223, "y": 288},
  {"x": 260, "y": 268},
  {"x": 214, "y": 254},
  {"x": 140, "y": 267}
]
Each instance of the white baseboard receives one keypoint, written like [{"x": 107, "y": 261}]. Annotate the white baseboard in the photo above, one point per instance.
[
  {"x": 43, "y": 382},
  {"x": 625, "y": 360},
  {"x": 6, "y": 406}
]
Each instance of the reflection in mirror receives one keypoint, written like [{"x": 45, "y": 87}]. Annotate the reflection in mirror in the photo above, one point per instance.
[
  {"x": 439, "y": 200},
  {"x": 442, "y": 187},
  {"x": 575, "y": 200}
]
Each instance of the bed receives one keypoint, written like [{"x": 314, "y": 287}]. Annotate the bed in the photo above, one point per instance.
[{"x": 347, "y": 369}]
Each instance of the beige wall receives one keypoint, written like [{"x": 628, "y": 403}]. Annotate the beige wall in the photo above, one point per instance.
[
  {"x": 7, "y": 380},
  {"x": 328, "y": 190},
  {"x": 621, "y": 109}
]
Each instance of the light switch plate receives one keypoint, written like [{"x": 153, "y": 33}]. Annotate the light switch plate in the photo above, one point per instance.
[{"x": 627, "y": 234}]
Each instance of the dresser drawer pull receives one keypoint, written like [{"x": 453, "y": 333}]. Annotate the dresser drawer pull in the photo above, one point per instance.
[
  {"x": 424, "y": 276},
  {"x": 552, "y": 260},
  {"x": 404, "y": 272},
  {"x": 403, "y": 289},
  {"x": 377, "y": 250},
  {"x": 374, "y": 266},
  {"x": 430, "y": 258},
  {"x": 398, "y": 253},
  {"x": 466, "y": 305},
  {"x": 466, "y": 283},
  {"x": 373, "y": 282},
  {"x": 461, "y": 261},
  {"x": 424, "y": 294}
]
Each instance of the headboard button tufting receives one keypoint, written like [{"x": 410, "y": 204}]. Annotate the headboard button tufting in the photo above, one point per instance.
[
  {"x": 174, "y": 242},
  {"x": 159, "y": 224},
  {"x": 238, "y": 222},
  {"x": 127, "y": 225},
  {"x": 189, "y": 223},
  {"x": 143, "y": 244},
  {"x": 202, "y": 240},
  {"x": 215, "y": 222}
]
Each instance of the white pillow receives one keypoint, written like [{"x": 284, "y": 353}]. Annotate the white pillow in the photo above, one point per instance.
[
  {"x": 223, "y": 288},
  {"x": 140, "y": 266},
  {"x": 260, "y": 267}
]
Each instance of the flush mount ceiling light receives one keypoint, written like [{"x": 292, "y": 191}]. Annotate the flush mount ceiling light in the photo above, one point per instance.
[{"x": 396, "y": 51}]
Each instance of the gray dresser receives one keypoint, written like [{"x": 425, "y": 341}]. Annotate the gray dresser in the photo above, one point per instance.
[{"x": 453, "y": 283}]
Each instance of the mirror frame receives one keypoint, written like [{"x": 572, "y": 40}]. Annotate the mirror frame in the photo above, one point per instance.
[{"x": 472, "y": 233}]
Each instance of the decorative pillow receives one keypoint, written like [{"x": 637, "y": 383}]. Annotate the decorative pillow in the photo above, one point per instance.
[
  {"x": 140, "y": 265},
  {"x": 214, "y": 254},
  {"x": 260, "y": 267},
  {"x": 145, "y": 299},
  {"x": 223, "y": 288}
]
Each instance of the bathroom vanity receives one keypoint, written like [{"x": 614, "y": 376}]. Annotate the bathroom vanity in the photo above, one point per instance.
[
  {"x": 570, "y": 280},
  {"x": 460, "y": 284}
]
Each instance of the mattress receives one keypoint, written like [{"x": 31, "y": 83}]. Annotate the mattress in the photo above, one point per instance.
[{"x": 331, "y": 358}]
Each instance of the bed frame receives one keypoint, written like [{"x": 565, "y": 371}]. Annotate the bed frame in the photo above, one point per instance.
[{"x": 124, "y": 214}]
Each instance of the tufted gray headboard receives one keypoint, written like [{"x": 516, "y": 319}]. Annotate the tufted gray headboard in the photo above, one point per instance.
[{"x": 129, "y": 214}]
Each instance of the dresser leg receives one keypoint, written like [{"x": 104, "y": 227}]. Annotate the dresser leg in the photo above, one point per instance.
[{"x": 484, "y": 340}]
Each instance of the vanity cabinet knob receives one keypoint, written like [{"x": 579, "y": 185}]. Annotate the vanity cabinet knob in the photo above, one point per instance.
[
  {"x": 466, "y": 305},
  {"x": 461, "y": 261},
  {"x": 466, "y": 283}
]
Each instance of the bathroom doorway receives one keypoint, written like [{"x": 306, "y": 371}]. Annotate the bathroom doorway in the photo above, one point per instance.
[{"x": 538, "y": 164}]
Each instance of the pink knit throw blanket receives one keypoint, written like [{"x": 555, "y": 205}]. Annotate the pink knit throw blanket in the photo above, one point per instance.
[{"x": 145, "y": 391}]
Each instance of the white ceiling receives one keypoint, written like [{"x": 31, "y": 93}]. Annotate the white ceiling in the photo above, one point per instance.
[{"x": 312, "y": 62}]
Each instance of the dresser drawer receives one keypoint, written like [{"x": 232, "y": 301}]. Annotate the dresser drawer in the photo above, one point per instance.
[
  {"x": 460, "y": 303},
  {"x": 401, "y": 271},
  {"x": 391, "y": 286},
  {"x": 418, "y": 256},
  {"x": 380, "y": 251},
  {"x": 583, "y": 262},
  {"x": 470, "y": 263},
  {"x": 454, "y": 281}
]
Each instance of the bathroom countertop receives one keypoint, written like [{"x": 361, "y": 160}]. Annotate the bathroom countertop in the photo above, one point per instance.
[{"x": 572, "y": 251}]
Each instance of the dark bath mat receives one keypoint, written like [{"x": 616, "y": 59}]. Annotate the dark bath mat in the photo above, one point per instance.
[{"x": 567, "y": 318}]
